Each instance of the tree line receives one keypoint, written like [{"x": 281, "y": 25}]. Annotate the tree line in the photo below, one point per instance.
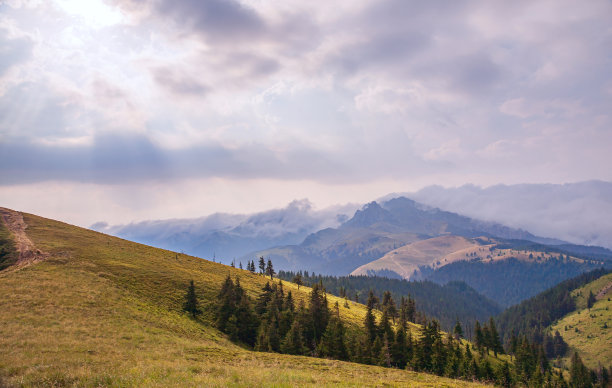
[
  {"x": 446, "y": 303},
  {"x": 532, "y": 317},
  {"x": 274, "y": 322}
]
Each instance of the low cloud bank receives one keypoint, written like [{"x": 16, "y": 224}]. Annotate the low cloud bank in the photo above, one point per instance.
[{"x": 579, "y": 213}]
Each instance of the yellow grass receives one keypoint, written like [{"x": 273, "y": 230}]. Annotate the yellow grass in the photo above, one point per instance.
[
  {"x": 440, "y": 251},
  {"x": 584, "y": 329},
  {"x": 102, "y": 311}
]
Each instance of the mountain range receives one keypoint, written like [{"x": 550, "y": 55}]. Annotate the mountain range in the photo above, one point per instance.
[{"x": 395, "y": 237}]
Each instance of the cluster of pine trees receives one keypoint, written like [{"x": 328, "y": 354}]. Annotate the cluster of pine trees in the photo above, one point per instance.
[
  {"x": 510, "y": 281},
  {"x": 446, "y": 303},
  {"x": 532, "y": 317},
  {"x": 273, "y": 323}
]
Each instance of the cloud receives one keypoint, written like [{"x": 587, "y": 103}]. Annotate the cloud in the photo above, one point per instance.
[
  {"x": 224, "y": 20},
  {"x": 13, "y": 50},
  {"x": 179, "y": 84},
  {"x": 575, "y": 212},
  {"x": 350, "y": 92}
]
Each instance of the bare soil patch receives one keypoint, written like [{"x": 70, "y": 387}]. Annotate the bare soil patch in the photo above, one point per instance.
[
  {"x": 604, "y": 291},
  {"x": 28, "y": 253}
]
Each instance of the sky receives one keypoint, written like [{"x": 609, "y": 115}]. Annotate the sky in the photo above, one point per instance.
[{"x": 127, "y": 110}]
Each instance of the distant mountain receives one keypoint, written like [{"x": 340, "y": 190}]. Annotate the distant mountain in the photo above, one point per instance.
[
  {"x": 377, "y": 229},
  {"x": 228, "y": 236}
]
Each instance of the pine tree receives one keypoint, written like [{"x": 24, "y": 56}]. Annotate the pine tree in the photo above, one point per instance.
[
  {"x": 332, "y": 342},
  {"x": 385, "y": 326},
  {"x": 293, "y": 343},
  {"x": 226, "y": 304},
  {"x": 262, "y": 265},
  {"x": 319, "y": 312},
  {"x": 411, "y": 310},
  {"x": 270, "y": 270},
  {"x": 504, "y": 378},
  {"x": 385, "y": 353},
  {"x": 370, "y": 320},
  {"x": 591, "y": 300},
  {"x": 264, "y": 299},
  {"x": 458, "y": 330},
  {"x": 579, "y": 374},
  {"x": 495, "y": 342},
  {"x": 297, "y": 279},
  {"x": 388, "y": 306},
  {"x": 191, "y": 301},
  {"x": 398, "y": 348},
  {"x": 246, "y": 320},
  {"x": 479, "y": 340}
]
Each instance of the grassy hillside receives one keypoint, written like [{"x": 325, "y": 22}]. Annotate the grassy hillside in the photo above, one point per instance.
[
  {"x": 440, "y": 251},
  {"x": 104, "y": 311},
  {"x": 590, "y": 331}
]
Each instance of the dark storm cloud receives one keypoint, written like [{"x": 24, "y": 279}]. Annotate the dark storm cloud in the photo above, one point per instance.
[
  {"x": 118, "y": 158},
  {"x": 223, "y": 20},
  {"x": 127, "y": 158}
]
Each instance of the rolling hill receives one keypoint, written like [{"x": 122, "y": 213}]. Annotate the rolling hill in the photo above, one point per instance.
[
  {"x": 589, "y": 330},
  {"x": 83, "y": 308}
]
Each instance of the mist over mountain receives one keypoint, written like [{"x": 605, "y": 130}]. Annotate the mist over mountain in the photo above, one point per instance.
[
  {"x": 579, "y": 213},
  {"x": 378, "y": 228},
  {"x": 226, "y": 236}
]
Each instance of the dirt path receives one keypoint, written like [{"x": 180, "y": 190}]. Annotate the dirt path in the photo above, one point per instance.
[
  {"x": 604, "y": 291},
  {"x": 28, "y": 254}
]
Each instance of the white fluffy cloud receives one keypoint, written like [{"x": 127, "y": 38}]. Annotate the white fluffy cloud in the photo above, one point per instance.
[{"x": 117, "y": 92}]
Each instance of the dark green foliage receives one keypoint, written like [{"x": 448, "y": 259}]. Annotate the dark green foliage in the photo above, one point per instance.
[
  {"x": 591, "y": 300},
  {"x": 531, "y": 317},
  {"x": 262, "y": 265},
  {"x": 270, "y": 270},
  {"x": 510, "y": 281},
  {"x": 446, "y": 303},
  {"x": 276, "y": 325},
  {"x": 191, "y": 301},
  {"x": 479, "y": 338},
  {"x": 297, "y": 279},
  {"x": 493, "y": 341},
  {"x": 458, "y": 330},
  {"x": 8, "y": 253},
  {"x": 333, "y": 342},
  {"x": 319, "y": 312},
  {"x": 579, "y": 374},
  {"x": 370, "y": 320},
  {"x": 504, "y": 378},
  {"x": 234, "y": 314},
  {"x": 293, "y": 343}
]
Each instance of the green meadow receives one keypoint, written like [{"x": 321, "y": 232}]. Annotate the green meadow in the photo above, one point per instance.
[
  {"x": 102, "y": 311},
  {"x": 589, "y": 331}
]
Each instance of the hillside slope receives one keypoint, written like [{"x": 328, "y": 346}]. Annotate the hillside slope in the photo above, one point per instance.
[
  {"x": 405, "y": 261},
  {"x": 104, "y": 311},
  {"x": 589, "y": 331}
]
